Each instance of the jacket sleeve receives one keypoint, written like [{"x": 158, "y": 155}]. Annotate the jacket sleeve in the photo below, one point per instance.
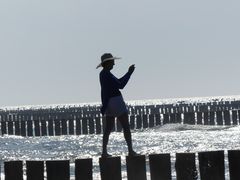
[{"x": 121, "y": 83}]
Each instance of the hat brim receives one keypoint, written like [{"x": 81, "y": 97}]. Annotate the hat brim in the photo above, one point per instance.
[{"x": 108, "y": 59}]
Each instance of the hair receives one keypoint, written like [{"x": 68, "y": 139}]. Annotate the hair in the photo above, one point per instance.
[{"x": 106, "y": 63}]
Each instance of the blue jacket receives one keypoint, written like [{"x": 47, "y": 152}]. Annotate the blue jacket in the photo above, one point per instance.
[{"x": 110, "y": 86}]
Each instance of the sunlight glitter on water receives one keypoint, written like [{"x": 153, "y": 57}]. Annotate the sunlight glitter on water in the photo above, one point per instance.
[{"x": 170, "y": 138}]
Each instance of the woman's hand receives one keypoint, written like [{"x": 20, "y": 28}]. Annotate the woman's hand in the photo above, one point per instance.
[{"x": 131, "y": 68}]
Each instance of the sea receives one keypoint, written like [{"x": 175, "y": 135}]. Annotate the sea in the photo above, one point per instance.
[{"x": 169, "y": 138}]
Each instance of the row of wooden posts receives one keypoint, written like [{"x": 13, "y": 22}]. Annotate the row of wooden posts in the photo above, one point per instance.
[
  {"x": 75, "y": 125},
  {"x": 211, "y": 166},
  {"x": 88, "y": 120}
]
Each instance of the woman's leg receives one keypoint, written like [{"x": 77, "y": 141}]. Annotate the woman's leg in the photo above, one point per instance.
[
  {"x": 107, "y": 131},
  {"x": 123, "y": 119}
]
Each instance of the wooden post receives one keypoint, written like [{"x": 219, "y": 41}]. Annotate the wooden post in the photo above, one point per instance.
[
  {"x": 35, "y": 170},
  {"x": 78, "y": 126},
  {"x": 185, "y": 166},
  {"x": 219, "y": 118},
  {"x": 165, "y": 118},
  {"x": 189, "y": 118},
  {"x": 139, "y": 122},
  {"x": 220, "y": 106},
  {"x": 110, "y": 168},
  {"x": 166, "y": 109},
  {"x": 13, "y": 170},
  {"x": 71, "y": 118},
  {"x": 71, "y": 126},
  {"x": 151, "y": 121},
  {"x": 175, "y": 109},
  {"x": 227, "y": 105},
  {"x": 134, "y": 111},
  {"x": 205, "y": 108},
  {"x": 234, "y": 117},
  {"x": 179, "y": 118},
  {"x": 212, "y": 118},
  {"x": 158, "y": 119},
  {"x": 155, "y": 110},
  {"x": 91, "y": 125},
  {"x": 4, "y": 124},
  {"x": 64, "y": 122},
  {"x": 23, "y": 127},
  {"x": 145, "y": 120},
  {"x": 4, "y": 127},
  {"x": 140, "y": 109},
  {"x": 160, "y": 166},
  {"x": 84, "y": 126},
  {"x": 83, "y": 169},
  {"x": 211, "y": 165},
  {"x": 148, "y": 109},
  {"x": 185, "y": 108},
  {"x": 29, "y": 127},
  {"x": 58, "y": 170},
  {"x": 190, "y": 108},
  {"x": 43, "y": 127},
  {"x": 17, "y": 126},
  {"x": 234, "y": 164},
  {"x": 64, "y": 126},
  {"x": 226, "y": 115},
  {"x": 180, "y": 108},
  {"x": 58, "y": 130},
  {"x": 10, "y": 125},
  {"x": 161, "y": 109},
  {"x": 212, "y": 107},
  {"x": 238, "y": 115},
  {"x": 37, "y": 127},
  {"x": 199, "y": 118},
  {"x": 50, "y": 127},
  {"x": 1, "y": 119},
  {"x": 98, "y": 125},
  {"x": 136, "y": 167},
  {"x": 206, "y": 118},
  {"x": 173, "y": 118},
  {"x": 197, "y": 108}
]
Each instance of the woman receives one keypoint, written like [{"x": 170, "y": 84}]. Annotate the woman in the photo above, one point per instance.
[{"x": 113, "y": 104}]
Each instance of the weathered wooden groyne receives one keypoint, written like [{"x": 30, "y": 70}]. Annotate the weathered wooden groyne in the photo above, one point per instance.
[
  {"x": 188, "y": 166},
  {"x": 74, "y": 120}
]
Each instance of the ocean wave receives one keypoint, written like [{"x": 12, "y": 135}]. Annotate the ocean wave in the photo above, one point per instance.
[
  {"x": 186, "y": 100},
  {"x": 186, "y": 127}
]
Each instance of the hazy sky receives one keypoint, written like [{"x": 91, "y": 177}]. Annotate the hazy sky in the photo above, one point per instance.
[{"x": 49, "y": 49}]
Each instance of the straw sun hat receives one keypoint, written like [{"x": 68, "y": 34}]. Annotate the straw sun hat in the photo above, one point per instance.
[{"x": 107, "y": 57}]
